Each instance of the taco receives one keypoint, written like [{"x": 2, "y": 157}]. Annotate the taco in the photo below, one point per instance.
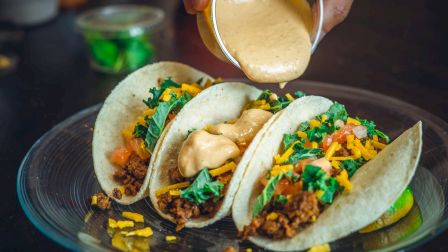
[
  {"x": 133, "y": 119},
  {"x": 318, "y": 175},
  {"x": 204, "y": 153}
]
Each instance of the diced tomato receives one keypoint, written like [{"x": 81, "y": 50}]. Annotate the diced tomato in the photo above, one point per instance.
[
  {"x": 299, "y": 166},
  {"x": 171, "y": 116},
  {"x": 324, "y": 164},
  {"x": 294, "y": 188},
  {"x": 120, "y": 156},
  {"x": 138, "y": 146},
  {"x": 281, "y": 186},
  {"x": 307, "y": 144},
  {"x": 339, "y": 136}
]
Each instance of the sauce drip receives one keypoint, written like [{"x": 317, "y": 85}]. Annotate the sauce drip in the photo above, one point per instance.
[
  {"x": 270, "y": 39},
  {"x": 245, "y": 128},
  {"x": 202, "y": 149}
]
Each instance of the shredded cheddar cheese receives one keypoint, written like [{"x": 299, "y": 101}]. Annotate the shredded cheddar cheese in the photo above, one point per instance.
[
  {"x": 132, "y": 216},
  {"x": 169, "y": 238},
  {"x": 289, "y": 97},
  {"x": 94, "y": 201},
  {"x": 356, "y": 153},
  {"x": 302, "y": 134},
  {"x": 149, "y": 112},
  {"x": 266, "y": 106},
  {"x": 223, "y": 169},
  {"x": 143, "y": 147},
  {"x": 336, "y": 164},
  {"x": 140, "y": 120},
  {"x": 320, "y": 248},
  {"x": 259, "y": 102},
  {"x": 144, "y": 232},
  {"x": 166, "y": 95},
  {"x": 190, "y": 89},
  {"x": 323, "y": 118},
  {"x": 120, "y": 224},
  {"x": 277, "y": 169},
  {"x": 285, "y": 156},
  {"x": 364, "y": 152},
  {"x": 375, "y": 138},
  {"x": 112, "y": 223},
  {"x": 319, "y": 193},
  {"x": 197, "y": 85},
  {"x": 118, "y": 242},
  {"x": 335, "y": 146},
  {"x": 314, "y": 123},
  {"x": 378, "y": 145},
  {"x": 172, "y": 187},
  {"x": 128, "y": 132},
  {"x": 314, "y": 145},
  {"x": 353, "y": 121},
  {"x": 272, "y": 216},
  {"x": 368, "y": 145},
  {"x": 343, "y": 180},
  {"x": 174, "y": 192},
  {"x": 350, "y": 140},
  {"x": 341, "y": 158}
]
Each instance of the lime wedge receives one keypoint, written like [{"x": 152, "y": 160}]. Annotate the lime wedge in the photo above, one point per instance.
[{"x": 398, "y": 210}]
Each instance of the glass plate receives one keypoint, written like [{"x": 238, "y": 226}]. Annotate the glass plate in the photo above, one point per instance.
[{"x": 56, "y": 179}]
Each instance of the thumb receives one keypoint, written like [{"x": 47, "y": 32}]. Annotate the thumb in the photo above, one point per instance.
[
  {"x": 335, "y": 11},
  {"x": 195, "y": 6}
]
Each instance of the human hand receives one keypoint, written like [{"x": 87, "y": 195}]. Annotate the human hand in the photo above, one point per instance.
[
  {"x": 335, "y": 11},
  {"x": 195, "y": 6}
]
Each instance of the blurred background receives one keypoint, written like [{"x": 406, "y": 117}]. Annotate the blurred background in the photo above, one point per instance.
[{"x": 54, "y": 63}]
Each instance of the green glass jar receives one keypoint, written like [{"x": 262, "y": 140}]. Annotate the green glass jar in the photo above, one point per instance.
[{"x": 119, "y": 37}]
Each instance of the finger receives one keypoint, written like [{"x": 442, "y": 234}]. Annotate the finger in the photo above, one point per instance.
[
  {"x": 189, "y": 7},
  {"x": 335, "y": 11},
  {"x": 200, "y": 5}
]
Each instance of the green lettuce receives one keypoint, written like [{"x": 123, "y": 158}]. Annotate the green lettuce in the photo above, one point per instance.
[
  {"x": 299, "y": 153},
  {"x": 266, "y": 195},
  {"x": 202, "y": 189},
  {"x": 352, "y": 165},
  {"x": 314, "y": 178}
]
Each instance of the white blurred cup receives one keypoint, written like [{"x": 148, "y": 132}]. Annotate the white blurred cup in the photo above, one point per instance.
[{"x": 28, "y": 12}]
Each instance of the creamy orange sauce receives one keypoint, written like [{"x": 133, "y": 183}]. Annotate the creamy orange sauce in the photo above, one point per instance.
[
  {"x": 202, "y": 149},
  {"x": 245, "y": 128},
  {"x": 270, "y": 39},
  {"x": 221, "y": 143}
]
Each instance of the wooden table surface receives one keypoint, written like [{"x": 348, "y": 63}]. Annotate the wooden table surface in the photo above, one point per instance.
[{"x": 394, "y": 47}]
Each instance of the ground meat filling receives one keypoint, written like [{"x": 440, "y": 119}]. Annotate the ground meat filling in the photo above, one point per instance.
[
  {"x": 343, "y": 151},
  {"x": 102, "y": 201},
  {"x": 182, "y": 210},
  {"x": 116, "y": 193},
  {"x": 175, "y": 175},
  {"x": 132, "y": 174},
  {"x": 300, "y": 210}
]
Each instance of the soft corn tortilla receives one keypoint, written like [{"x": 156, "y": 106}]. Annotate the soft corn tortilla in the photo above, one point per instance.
[
  {"x": 119, "y": 111},
  {"x": 376, "y": 185},
  {"x": 215, "y": 105}
]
